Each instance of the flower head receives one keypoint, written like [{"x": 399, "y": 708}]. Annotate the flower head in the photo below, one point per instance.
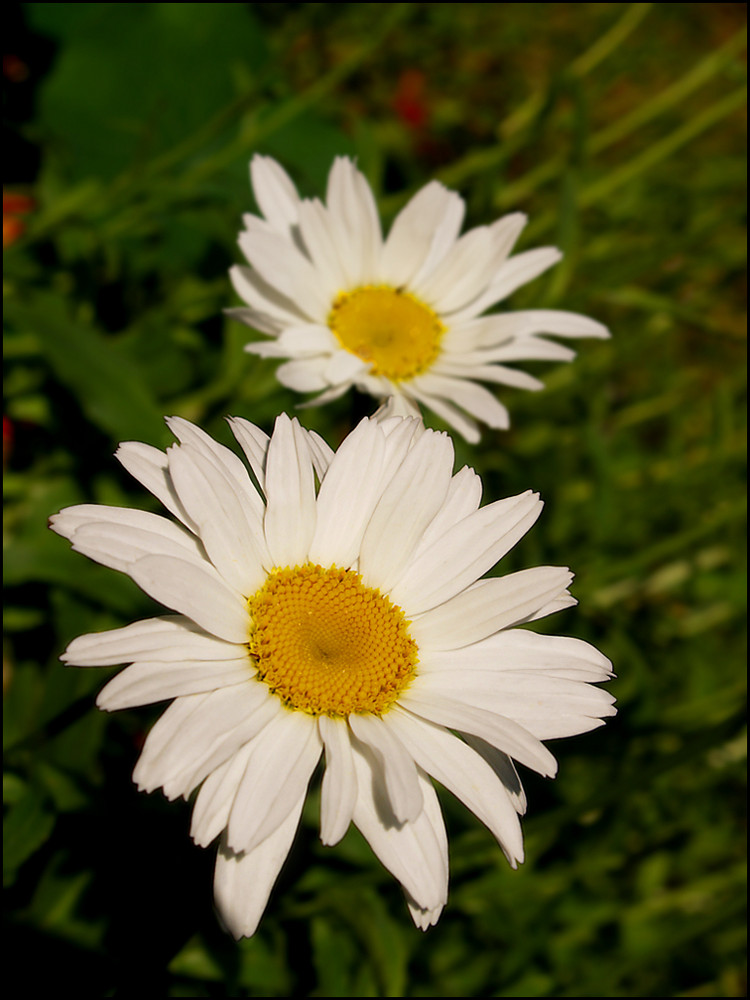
[
  {"x": 402, "y": 316},
  {"x": 333, "y": 608}
]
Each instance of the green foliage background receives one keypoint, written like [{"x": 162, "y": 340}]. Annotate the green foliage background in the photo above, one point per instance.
[{"x": 618, "y": 128}]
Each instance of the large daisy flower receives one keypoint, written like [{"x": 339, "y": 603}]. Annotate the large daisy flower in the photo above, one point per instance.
[
  {"x": 402, "y": 317},
  {"x": 332, "y": 607}
]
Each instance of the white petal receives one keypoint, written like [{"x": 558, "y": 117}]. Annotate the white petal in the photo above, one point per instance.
[
  {"x": 348, "y": 495},
  {"x": 216, "y": 796},
  {"x": 344, "y": 367},
  {"x": 415, "y": 229},
  {"x": 459, "y": 769},
  {"x": 228, "y": 515},
  {"x": 243, "y": 882},
  {"x": 338, "y": 793},
  {"x": 282, "y": 761},
  {"x": 352, "y": 206},
  {"x": 465, "y": 426},
  {"x": 149, "y": 466},
  {"x": 306, "y": 375},
  {"x": 504, "y": 768},
  {"x": 414, "y": 853},
  {"x": 118, "y": 536},
  {"x": 281, "y": 265},
  {"x": 488, "y": 606},
  {"x": 274, "y": 191},
  {"x": 167, "y": 639},
  {"x": 223, "y": 460},
  {"x": 199, "y": 732},
  {"x": 521, "y": 649},
  {"x": 145, "y": 682},
  {"x": 501, "y": 732},
  {"x": 269, "y": 310},
  {"x": 399, "y": 770},
  {"x": 515, "y": 325},
  {"x": 457, "y": 366},
  {"x": 505, "y": 232},
  {"x": 408, "y": 504},
  {"x": 290, "y": 494},
  {"x": 516, "y": 271},
  {"x": 254, "y": 443},
  {"x": 195, "y": 591},
  {"x": 461, "y": 275},
  {"x": 547, "y": 707},
  {"x": 470, "y": 396},
  {"x": 309, "y": 340},
  {"x": 465, "y": 552},
  {"x": 318, "y": 236},
  {"x": 463, "y": 498}
]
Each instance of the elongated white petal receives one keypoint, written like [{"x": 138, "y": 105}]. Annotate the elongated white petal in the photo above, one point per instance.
[
  {"x": 197, "y": 733},
  {"x": 488, "y": 606},
  {"x": 548, "y": 707},
  {"x": 352, "y": 207},
  {"x": 408, "y": 504},
  {"x": 413, "y": 232},
  {"x": 338, "y": 792},
  {"x": 415, "y": 853},
  {"x": 282, "y": 266},
  {"x": 520, "y": 649},
  {"x": 227, "y": 513},
  {"x": 461, "y": 275},
  {"x": 167, "y": 639},
  {"x": 516, "y": 271},
  {"x": 463, "y": 497},
  {"x": 281, "y": 764},
  {"x": 268, "y": 309},
  {"x": 118, "y": 536},
  {"x": 195, "y": 591},
  {"x": 399, "y": 770},
  {"x": 254, "y": 443},
  {"x": 348, "y": 494},
  {"x": 465, "y": 552},
  {"x": 470, "y": 396},
  {"x": 146, "y": 682},
  {"x": 464, "y": 773},
  {"x": 290, "y": 494},
  {"x": 275, "y": 192},
  {"x": 149, "y": 466},
  {"x": 216, "y": 796},
  {"x": 465, "y": 426},
  {"x": 501, "y": 732},
  {"x": 243, "y": 882},
  {"x": 304, "y": 375},
  {"x": 504, "y": 768}
]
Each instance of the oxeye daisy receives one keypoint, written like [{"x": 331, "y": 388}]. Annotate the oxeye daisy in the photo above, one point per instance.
[
  {"x": 403, "y": 316},
  {"x": 331, "y": 608}
]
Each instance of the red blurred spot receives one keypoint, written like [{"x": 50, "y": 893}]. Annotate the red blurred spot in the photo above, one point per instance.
[
  {"x": 14, "y": 69},
  {"x": 14, "y": 206},
  {"x": 410, "y": 100}
]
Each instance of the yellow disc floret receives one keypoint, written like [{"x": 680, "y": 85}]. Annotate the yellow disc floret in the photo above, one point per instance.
[
  {"x": 326, "y": 644},
  {"x": 392, "y": 329}
]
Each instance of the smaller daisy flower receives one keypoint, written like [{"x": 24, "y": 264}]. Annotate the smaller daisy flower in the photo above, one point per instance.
[
  {"x": 403, "y": 316},
  {"x": 334, "y": 610}
]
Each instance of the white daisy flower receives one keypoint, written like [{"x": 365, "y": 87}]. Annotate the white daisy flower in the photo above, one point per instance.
[
  {"x": 334, "y": 610},
  {"x": 402, "y": 317}
]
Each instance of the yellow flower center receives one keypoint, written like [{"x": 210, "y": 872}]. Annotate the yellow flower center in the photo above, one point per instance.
[
  {"x": 326, "y": 644},
  {"x": 394, "y": 330}
]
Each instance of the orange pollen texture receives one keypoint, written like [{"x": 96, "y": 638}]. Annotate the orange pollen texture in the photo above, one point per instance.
[{"x": 326, "y": 644}]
